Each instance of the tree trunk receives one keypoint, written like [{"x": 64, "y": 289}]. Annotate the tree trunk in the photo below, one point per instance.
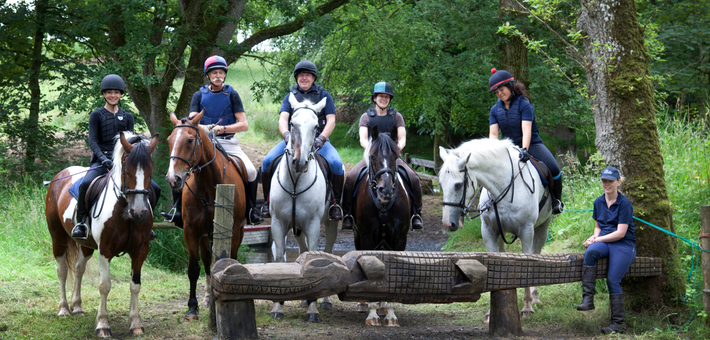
[
  {"x": 441, "y": 132},
  {"x": 32, "y": 123},
  {"x": 514, "y": 55},
  {"x": 627, "y": 137},
  {"x": 566, "y": 142}
]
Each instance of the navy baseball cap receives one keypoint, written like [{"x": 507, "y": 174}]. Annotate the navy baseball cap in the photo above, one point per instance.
[{"x": 611, "y": 173}]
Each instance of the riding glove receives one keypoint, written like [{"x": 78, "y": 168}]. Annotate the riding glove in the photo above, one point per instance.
[
  {"x": 107, "y": 163},
  {"x": 524, "y": 155},
  {"x": 287, "y": 136},
  {"x": 320, "y": 140}
]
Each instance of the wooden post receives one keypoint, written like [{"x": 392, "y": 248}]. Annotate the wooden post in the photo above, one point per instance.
[
  {"x": 231, "y": 319},
  {"x": 505, "y": 319},
  {"x": 705, "y": 257}
]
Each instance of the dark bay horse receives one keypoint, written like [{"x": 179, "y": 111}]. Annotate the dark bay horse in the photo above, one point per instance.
[
  {"x": 196, "y": 167},
  {"x": 382, "y": 212},
  {"x": 121, "y": 222}
]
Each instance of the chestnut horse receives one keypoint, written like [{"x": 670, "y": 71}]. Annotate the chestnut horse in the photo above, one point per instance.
[
  {"x": 121, "y": 221},
  {"x": 196, "y": 167},
  {"x": 382, "y": 212}
]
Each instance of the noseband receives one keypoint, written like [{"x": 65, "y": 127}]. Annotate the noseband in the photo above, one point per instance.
[
  {"x": 461, "y": 204},
  {"x": 373, "y": 186}
]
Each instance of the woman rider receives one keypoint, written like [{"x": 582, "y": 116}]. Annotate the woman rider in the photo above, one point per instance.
[
  {"x": 105, "y": 123},
  {"x": 514, "y": 116},
  {"x": 385, "y": 118},
  {"x": 614, "y": 237}
]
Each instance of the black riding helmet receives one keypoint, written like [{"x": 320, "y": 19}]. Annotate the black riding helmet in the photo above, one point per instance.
[
  {"x": 499, "y": 78},
  {"x": 112, "y": 82},
  {"x": 305, "y": 66},
  {"x": 382, "y": 87}
]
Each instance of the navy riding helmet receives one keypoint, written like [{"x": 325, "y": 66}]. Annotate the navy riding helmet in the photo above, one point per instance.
[{"x": 499, "y": 78}]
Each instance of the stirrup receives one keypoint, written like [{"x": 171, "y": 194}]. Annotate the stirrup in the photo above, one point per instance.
[
  {"x": 170, "y": 213},
  {"x": 76, "y": 231},
  {"x": 411, "y": 220},
  {"x": 351, "y": 225},
  {"x": 561, "y": 207},
  {"x": 256, "y": 221},
  {"x": 337, "y": 206},
  {"x": 265, "y": 213}
]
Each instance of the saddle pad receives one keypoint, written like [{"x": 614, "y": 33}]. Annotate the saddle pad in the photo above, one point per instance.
[
  {"x": 74, "y": 189},
  {"x": 545, "y": 182}
]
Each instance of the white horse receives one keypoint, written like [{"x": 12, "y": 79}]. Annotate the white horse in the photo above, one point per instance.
[
  {"x": 509, "y": 202},
  {"x": 298, "y": 196}
]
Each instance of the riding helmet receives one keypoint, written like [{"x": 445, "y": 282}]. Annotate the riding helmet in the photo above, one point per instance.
[
  {"x": 499, "y": 78},
  {"x": 215, "y": 62},
  {"x": 382, "y": 87},
  {"x": 112, "y": 82},
  {"x": 305, "y": 66}
]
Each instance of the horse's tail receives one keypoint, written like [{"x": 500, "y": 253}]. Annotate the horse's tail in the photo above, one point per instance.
[{"x": 73, "y": 249}]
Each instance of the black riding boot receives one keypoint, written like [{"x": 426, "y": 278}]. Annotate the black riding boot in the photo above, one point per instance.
[
  {"x": 335, "y": 211},
  {"x": 80, "y": 231},
  {"x": 557, "y": 206},
  {"x": 346, "y": 202},
  {"x": 253, "y": 216},
  {"x": 589, "y": 282},
  {"x": 616, "y": 304},
  {"x": 265, "y": 186},
  {"x": 175, "y": 217},
  {"x": 416, "y": 221}
]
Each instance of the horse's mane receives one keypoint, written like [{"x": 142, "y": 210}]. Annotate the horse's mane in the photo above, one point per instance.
[
  {"x": 139, "y": 156},
  {"x": 485, "y": 149},
  {"x": 381, "y": 145}
]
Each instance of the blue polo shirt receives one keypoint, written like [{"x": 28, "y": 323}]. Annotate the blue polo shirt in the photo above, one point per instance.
[{"x": 608, "y": 218}]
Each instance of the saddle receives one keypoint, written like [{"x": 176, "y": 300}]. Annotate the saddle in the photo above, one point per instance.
[
  {"x": 322, "y": 163},
  {"x": 235, "y": 160}
]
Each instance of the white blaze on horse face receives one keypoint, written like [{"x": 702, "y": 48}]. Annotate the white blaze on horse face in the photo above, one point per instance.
[{"x": 171, "y": 166}]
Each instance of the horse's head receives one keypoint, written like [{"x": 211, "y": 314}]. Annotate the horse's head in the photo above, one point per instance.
[
  {"x": 304, "y": 125},
  {"x": 136, "y": 170},
  {"x": 457, "y": 186},
  {"x": 381, "y": 157},
  {"x": 185, "y": 145}
]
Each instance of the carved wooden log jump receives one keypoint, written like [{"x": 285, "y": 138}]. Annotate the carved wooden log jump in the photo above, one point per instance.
[{"x": 406, "y": 277}]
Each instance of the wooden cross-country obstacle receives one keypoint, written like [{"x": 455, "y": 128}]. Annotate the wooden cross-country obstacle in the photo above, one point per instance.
[{"x": 405, "y": 277}]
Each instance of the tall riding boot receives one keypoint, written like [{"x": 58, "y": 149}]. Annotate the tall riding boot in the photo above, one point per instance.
[
  {"x": 589, "y": 282},
  {"x": 80, "y": 230},
  {"x": 265, "y": 186},
  {"x": 346, "y": 202},
  {"x": 253, "y": 216},
  {"x": 335, "y": 211},
  {"x": 557, "y": 206},
  {"x": 416, "y": 221},
  {"x": 175, "y": 214},
  {"x": 616, "y": 304}
]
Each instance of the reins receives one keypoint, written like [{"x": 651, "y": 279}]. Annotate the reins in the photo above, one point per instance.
[{"x": 294, "y": 194}]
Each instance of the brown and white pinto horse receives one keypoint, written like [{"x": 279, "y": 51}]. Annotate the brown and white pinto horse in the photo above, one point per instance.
[
  {"x": 121, "y": 221},
  {"x": 196, "y": 167}
]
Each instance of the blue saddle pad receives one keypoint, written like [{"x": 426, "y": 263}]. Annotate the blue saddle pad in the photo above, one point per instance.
[
  {"x": 74, "y": 189},
  {"x": 545, "y": 182}
]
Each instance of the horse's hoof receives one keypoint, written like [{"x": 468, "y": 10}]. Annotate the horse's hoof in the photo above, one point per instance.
[
  {"x": 373, "y": 322},
  {"x": 361, "y": 308},
  {"x": 382, "y": 312},
  {"x": 137, "y": 331},
  {"x": 191, "y": 316},
  {"x": 278, "y": 315},
  {"x": 303, "y": 304},
  {"x": 487, "y": 319},
  {"x": 103, "y": 332},
  {"x": 312, "y": 317},
  {"x": 525, "y": 314},
  {"x": 326, "y": 306},
  {"x": 391, "y": 323},
  {"x": 78, "y": 311},
  {"x": 536, "y": 301},
  {"x": 63, "y": 312}
]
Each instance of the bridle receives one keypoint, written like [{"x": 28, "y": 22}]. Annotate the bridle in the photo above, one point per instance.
[
  {"x": 461, "y": 204},
  {"x": 373, "y": 186},
  {"x": 294, "y": 193},
  {"x": 193, "y": 167}
]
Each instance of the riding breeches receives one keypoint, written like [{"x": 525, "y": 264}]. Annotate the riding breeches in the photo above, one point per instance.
[
  {"x": 231, "y": 146},
  {"x": 327, "y": 151},
  {"x": 541, "y": 152},
  {"x": 620, "y": 255}
]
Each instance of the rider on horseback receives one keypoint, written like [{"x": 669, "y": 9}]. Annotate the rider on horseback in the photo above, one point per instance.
[
  {"x": 105, "y": 123},
  {"x": 514, "y": 116},
  {"x": 224, "y": 114},
  {"x": 306, "y": 74},
  {"x": 385, "y": 118}
]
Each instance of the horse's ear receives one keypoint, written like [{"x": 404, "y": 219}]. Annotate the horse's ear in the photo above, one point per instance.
[
  {"x": 174, "y": 119},
  {"x": 374, "y": 132},
  {"x": 126, "y": 145},
  {"x": 196, "y": 119},
  {"x": 321, "y": 104},
  {"x": 443, "y": 154},
  {"x": 463, "y": 162},
  {"x": 292, "y": 100},
  {"x": 393, "y": 133},
  {"x": 153, "y": 143}
]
